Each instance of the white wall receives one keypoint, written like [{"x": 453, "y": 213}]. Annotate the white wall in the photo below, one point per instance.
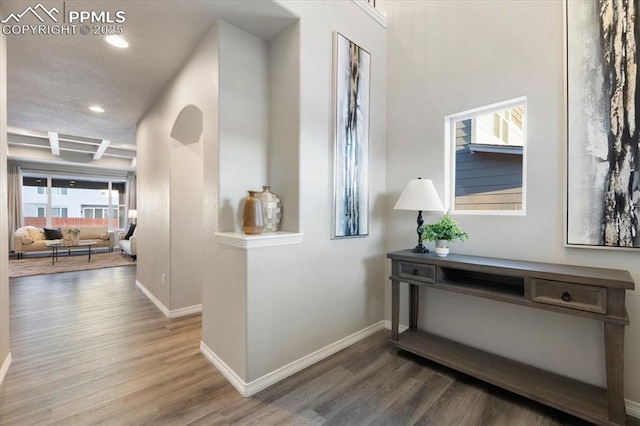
[
  {"x": 445, "y": 57},
  {"x": 315, "y": 294},
  {"x": 284, "y": 118},
  {"x": 244, "y": 121},
  {"x": 171, "y": 183},
  {"x": 4, "y": 215},
  {"x": 242, "y": 165},
  {"x": 267, "y": 307}
]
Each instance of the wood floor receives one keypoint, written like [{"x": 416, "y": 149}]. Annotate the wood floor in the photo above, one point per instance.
[{"x": 89, "y": 348}]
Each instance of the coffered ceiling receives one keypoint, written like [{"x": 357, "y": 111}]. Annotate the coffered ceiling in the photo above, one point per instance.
[{"x": 53, "y": 79}]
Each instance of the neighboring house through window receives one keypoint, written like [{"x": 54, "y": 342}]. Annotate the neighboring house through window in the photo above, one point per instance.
[{"x": 487, "y": 158}]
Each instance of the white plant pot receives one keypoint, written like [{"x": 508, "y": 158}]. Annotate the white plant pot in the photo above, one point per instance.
[{"x": 442, "y": 248}]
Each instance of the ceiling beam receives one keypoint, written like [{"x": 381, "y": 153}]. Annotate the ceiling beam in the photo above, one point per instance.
[
  {"x": 53, "y": 141},
  {"x": 101, "y": 149}
]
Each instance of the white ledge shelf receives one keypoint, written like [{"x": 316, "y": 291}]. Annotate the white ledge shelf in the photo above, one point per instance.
[{"x": 246, "y": 242}]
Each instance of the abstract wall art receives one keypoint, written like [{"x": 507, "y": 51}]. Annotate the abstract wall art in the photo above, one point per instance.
[
  {"x": 351, "y": 139},
  {"x": 603, "y": 104}
]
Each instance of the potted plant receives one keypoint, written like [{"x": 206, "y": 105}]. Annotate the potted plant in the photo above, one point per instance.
[
  {"x": 74, "y": 235},
  {"x": 443, "y": 231}
]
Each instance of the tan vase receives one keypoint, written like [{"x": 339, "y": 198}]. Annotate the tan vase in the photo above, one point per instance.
[
  {"x": 271, "y": 209},
  {"x": 252, "y": 216}
]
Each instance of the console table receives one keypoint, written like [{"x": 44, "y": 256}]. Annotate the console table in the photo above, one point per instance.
[{"x": 594, "y": 293}]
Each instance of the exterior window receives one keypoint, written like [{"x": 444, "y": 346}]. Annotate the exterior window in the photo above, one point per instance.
[
  {"x": 60, "y": 212},
  {"x": 54, "y": 191},
  {"x": 86, "y": 202},
  {"x": 486, "y": 149},
  {"x": 97, "y": 212}
]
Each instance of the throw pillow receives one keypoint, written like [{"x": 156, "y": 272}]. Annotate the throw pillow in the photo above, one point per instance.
[
  {"x": 36, "y": 234},
  {"x": 132, "y": 228},
  {"x": 27, "y": 240},
  {"x": 105, "y": 236},
  {"x": 53, "y": 233}
]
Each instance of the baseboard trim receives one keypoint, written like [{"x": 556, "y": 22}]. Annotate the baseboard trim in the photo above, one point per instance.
[
  {"x": 632, "y": 408},
  {"x": 189, "y": 310},
  {"x": 5, "y": 367},
  {"x": 255, "y": 386},
  {"x": 223, "y": 368},
  {"x": 153, "y": 299},
  {"x": 183, "y": 312},
  {"x": 401, "y": 328}
]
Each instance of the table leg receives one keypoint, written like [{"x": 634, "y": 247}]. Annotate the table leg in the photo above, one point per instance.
[
  {"x": 395, "y": 309},
  {"x": 53, "y": 255},
  {"x": 614, "y": 354},
  {"x": 89, "y": 254},
  {"x": 414, "y": 299}
]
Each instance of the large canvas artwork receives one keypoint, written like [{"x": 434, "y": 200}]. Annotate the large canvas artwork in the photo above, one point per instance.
[
  {"x": 351, "y": 142},
  {"x": 603, "y": 164}
]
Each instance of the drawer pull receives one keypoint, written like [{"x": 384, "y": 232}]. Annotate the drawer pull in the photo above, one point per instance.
[
  {"x": 415, "y": 272},
  {"x": 566, "y": 296}
]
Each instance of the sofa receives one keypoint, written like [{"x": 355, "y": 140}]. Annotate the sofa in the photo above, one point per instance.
[
  {"x": 32, "y": 239},
  {"x": 129, "y": 246}
]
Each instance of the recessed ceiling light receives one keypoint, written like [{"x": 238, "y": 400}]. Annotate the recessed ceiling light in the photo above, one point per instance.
[
  {"x": 96, "y": 108},
  {"x": 117, "y": 41}
]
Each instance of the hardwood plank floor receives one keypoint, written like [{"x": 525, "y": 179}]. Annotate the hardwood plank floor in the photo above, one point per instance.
[{"x": 89, "y": 348}]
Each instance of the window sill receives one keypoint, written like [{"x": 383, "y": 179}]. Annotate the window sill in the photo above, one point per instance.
[{"x": 246, "y": 242}]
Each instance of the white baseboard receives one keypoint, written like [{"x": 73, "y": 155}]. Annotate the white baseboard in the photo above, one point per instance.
[
  {"x": 223, "y": 368},
  {"x": 5, "y": 367},
  {"x": 183, "y": 312},
  {"x": 189, "y": 310},
  {"x": 251, "y": 388},
  {"x": 632, "y": 408},
  {"x": 401, "y": 328}
]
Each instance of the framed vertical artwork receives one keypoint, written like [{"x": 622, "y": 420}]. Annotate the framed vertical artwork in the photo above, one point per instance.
[
  {"x": 351, "y": 139},
  {"x": 603, "y": 162}
]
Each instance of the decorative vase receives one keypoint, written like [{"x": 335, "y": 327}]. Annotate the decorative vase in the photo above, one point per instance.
[
  {"x": 271, "y": 209},
  {"x": 442, "y": 248},
  {"x": 252, "y": 216},
  {"x": 75, "y": 240}
]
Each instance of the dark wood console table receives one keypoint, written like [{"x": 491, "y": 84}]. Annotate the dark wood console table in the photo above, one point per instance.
[{"x": 594, "y": 293}]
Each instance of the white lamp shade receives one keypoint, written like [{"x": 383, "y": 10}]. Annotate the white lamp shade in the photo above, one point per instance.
[
  {"x": 133, "y": 214},
  {"x": 419, "y": 195}
]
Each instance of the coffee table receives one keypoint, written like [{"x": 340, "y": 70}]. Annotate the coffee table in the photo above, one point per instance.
[{"x": 56, "y": 246}]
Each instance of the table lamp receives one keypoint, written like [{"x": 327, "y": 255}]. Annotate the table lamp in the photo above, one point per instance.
[
  {"x": 133, "y": 215},
  {"x": 419, "y": 195}
]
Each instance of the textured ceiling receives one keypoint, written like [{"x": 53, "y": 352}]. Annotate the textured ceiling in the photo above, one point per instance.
[{"x": 53, "y": 79}]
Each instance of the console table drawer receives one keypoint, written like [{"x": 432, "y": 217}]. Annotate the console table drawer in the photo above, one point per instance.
[
  {"x": 582, "y": 297},
  {"x": 417, "y": 271}
]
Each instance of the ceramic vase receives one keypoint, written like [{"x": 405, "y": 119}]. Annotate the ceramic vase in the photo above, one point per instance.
[
  {"x": 442, "y": 248},
  {"x": 271, "y": 209},
  {"x": 252, "y": 216}
]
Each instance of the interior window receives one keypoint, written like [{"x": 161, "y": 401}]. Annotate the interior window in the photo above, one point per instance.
[{"x": 486, "y": 148}]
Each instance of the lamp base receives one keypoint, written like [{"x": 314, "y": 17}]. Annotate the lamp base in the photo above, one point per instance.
[{"x": 420, "y": 249}]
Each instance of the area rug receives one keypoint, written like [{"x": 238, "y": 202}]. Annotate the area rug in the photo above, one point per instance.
[{"x": 42, "y": 265}]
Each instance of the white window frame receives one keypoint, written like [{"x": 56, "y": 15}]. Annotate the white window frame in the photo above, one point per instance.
[{"x": 450, "y": 156}]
